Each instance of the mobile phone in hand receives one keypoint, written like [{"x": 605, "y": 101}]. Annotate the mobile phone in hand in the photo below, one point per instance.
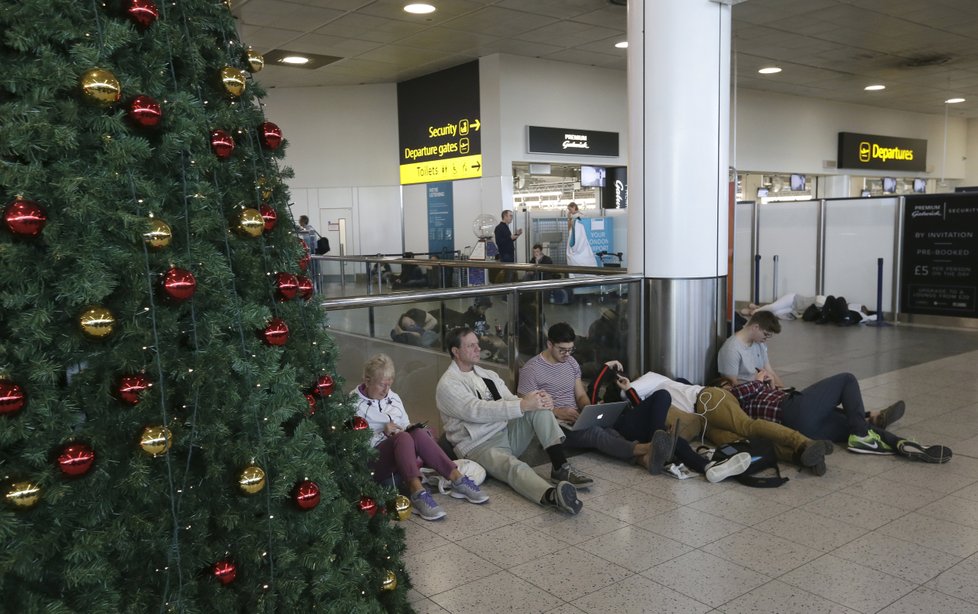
[{"x": 416, "y": 425}]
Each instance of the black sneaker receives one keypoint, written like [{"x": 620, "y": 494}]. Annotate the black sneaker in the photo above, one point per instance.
[
  {"x": 663, "y": 447},
  {"x": 566, "y": 473},
  {"x": 928, "y": 454},
  {"x": 565, "y": 498},
  {"x": 813, "y": 456}
]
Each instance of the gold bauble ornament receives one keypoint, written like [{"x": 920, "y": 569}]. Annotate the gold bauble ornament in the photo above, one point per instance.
[
  {"x": 158, "y": 235},
  {"x": 255, "y": 60},
  {"x": 155, "y": 440},
  {"x": 234, "y": 80},
  {"x": 101, "y": 87},
  {"x": 252, "y": 479},
  {"x": 97, "y": 322},
  {"x": 23, "y": 494},
  {"x": 250, "y": 223},
  {"x": 264, "y": 188},
  {"x": 390, "y": 581},
  {"x": 402, "y": 507}
]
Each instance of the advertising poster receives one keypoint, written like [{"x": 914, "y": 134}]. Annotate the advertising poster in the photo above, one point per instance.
[
  {"x": 441, "y": 218},
  {"x": 940, "y": 243}
]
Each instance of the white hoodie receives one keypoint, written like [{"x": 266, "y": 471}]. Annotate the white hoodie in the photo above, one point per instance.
[{"x": 379, "y": 413}]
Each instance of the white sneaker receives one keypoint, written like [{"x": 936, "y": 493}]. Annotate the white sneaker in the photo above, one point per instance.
[{"x": 721, "y": 470}]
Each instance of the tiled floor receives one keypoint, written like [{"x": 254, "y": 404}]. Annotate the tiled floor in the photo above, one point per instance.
[{"x": 878, "y": 534}]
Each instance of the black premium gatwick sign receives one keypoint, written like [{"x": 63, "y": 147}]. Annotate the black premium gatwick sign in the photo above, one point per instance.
[
  {"x": 439, "y": 126},
  {"x": 940, "y": 246},
  {"x": 571, "y": 141},
  {"x": 882, "y": 153}
]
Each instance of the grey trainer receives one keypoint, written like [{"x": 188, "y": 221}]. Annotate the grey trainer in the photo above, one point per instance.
[
  {"x": 566, "y": 473},
  {"x": 423, "y": 504},
  {"x": 466, "y": 489}
]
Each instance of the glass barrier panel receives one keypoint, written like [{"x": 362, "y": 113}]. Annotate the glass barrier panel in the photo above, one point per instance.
[{"x": 857, "y": 233}]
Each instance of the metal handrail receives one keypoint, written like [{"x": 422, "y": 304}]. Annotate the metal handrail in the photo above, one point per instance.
[
  {"x": 358, "y": 302},
  {"x": 480, "y": 264}
]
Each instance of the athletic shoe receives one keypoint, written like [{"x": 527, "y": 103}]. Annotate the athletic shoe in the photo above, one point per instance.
[
  {"x": 927, "y": 454},
  {"x": 721, "y": 470},
  {"x": 663, "y": 447},
  {"x": 565, "y": 498},
  {"x": 465, "y": 488},
  {"x": 566, "y": 473},
  {"x": 891, "y": 414},
  {"x": 870, "y": 444},
  {"x": 423, "y": 504}
]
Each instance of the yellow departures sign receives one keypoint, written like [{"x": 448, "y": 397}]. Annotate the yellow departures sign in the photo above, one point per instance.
[{"x": 451, "y": 148}]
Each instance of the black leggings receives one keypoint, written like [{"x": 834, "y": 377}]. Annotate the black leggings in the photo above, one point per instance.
[{"x": 638, "y": 424}]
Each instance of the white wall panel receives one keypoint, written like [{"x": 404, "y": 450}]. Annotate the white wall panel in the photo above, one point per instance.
[
  {"x": 788, "y": 231},
  {"x": 857, "y": 232}
]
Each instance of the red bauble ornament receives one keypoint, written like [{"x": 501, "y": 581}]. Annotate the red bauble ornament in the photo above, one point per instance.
[
  {"x": 131, "y": 388},
  {"x": 324, "y": 386},
  {"x": 225, "y": 572},
  {"x": 12, "y": 397},
  {"x": 276, "y": 333},
  {"x": 306, "y": 494},
  {"x": 268, "y": 214},
  {"x": 311, "y": 400},
  {"x": 25, "y": 217},
  {"x": 270, "y": 135},
  {"x": 222, "y": 143},
  {"x": 142, "y": 12},
  {"x": 358, "y": 423},
  {"x": 368, "y": 505},
  {"x": 178, "y": 284},
  {"x": 145, "y": 112},
  {"x": 76, "y": 459},
  {"x": 286, "y": 285},
  {"x": 305, "y": 287}
]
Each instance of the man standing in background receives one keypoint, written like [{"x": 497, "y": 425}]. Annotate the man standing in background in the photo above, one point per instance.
[{"x": 505, "y": 243}]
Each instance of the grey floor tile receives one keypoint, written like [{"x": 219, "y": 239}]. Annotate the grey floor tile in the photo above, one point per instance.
[
  {"x": 929, "y": 476},
  {"x": 925, "y": 600},
  {"x": 512, "y": 544},
  {"x": 818, "y": 532},
  {"x": 688, "y": 575},
  {"x": 483, "y": 596},
  {"x": 680, "y": 491},
  {"x": 952, "y": 509},
  {"x": 690, "y": 526},
  {"x": 633, "y": 548},
  {"x": 629, "y": 505},
  {"x": 575, "y": 529},
  {"x": 639, "y": 595},
  {"x": 445, "y": 568},
  {"x": 762, "y": 552},
  {"x": 462, "y": 519},
  {"x": 427, "y": 606},
  {"x": 507, "y": 502},
  {"x": 566, "y": 609},
  {"x": 949, "y": 537},
  {"x": 776, "y": 597},
  {"x": 960, "y": 581},
  {"x": 740, "y": 506},
  {"x": 856, "y": 586},
  {"x": 570, "y": 573},
  {"x": 894, "y": 494},
  {"x": 853, "y": 510},
  {"x": 418, "y": 538},
  {"x": 897, "y": 557}
]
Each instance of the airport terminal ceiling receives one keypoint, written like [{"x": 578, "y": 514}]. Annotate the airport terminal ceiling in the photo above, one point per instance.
[{"x": 924, "y": 52}]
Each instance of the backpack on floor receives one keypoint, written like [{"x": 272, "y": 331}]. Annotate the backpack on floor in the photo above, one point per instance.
[{"x": 763, "y": 460}]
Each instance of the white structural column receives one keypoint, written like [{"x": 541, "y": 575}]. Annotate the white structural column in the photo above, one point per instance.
[{"x": 679, "y": 121}]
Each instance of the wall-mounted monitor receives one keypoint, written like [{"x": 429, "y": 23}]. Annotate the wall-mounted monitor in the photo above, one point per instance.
[
  {"x": 797, "y": 183},
  {"x": 763, "y": 192},
  {"x": 920, "y": 185},
  {"x": 889, "y": 185},
  {"x": 592, "y": 176}
]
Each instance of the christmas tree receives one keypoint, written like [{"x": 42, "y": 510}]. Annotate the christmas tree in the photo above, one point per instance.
[{"x": 170, "y": 437}]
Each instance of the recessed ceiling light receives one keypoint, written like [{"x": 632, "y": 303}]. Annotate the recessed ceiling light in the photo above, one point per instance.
[
  {"x": 874, "y": 88},
  {"x": 770, "y": 70},
  {"x": 954, "y": 100},
  {"x": 419, "y": 8},
  {"x": 296, "y": 60},
  {"x": 622, "y": 45}
]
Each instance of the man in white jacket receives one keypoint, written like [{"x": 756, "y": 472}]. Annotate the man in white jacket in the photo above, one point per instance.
[{"x": 487, "y": 423}]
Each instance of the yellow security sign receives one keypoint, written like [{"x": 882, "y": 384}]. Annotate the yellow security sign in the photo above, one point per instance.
[{"x": 449, "y": 169}]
